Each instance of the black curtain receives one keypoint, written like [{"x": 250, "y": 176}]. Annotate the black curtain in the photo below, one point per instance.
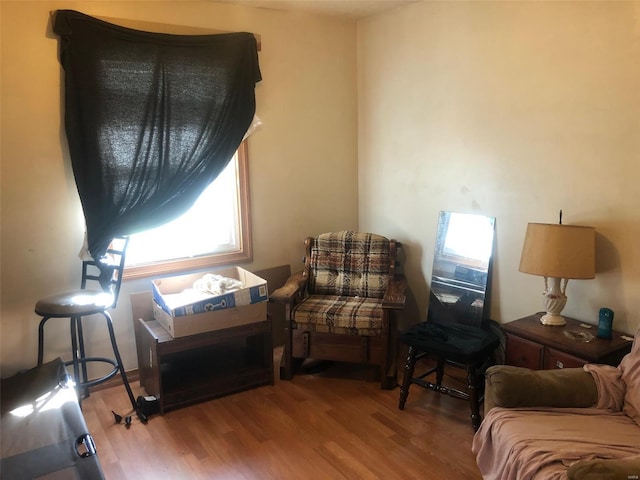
[{"x": 151, "y": 119}]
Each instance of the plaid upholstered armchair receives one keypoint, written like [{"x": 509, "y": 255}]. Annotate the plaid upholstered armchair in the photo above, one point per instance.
[{"x": 341, "y": 306}]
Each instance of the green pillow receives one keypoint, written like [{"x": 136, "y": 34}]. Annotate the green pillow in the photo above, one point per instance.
[
  {"x": 508, "y": 386},
  {"x": 611, "y": 469}
]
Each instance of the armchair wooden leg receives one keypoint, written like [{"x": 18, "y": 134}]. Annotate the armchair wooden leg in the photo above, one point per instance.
[
  {"x": 286, "y": 368},
  {"x": 388, "y": 360},
  {"x": 389, "y": 373},
  {"x": 389, "y": 382},
  {"x": 286, "y": 363}
]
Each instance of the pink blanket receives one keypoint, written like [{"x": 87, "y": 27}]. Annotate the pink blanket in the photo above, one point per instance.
[{"x": 541, "y": 443}]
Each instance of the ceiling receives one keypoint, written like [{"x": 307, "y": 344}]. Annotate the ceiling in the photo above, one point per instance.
[{"x": 348, "y": 9}]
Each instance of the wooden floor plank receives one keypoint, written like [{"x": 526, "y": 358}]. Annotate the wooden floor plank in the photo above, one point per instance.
[{"x": 337, "y": 424}]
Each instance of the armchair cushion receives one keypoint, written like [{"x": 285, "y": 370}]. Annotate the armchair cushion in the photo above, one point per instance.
[
  {"x": 334, "y": 314},
  {"x": 630, "y": 368},
  {"x": 588, "y": 433},
  {"x": 351, "y": 264},
  {"x": 529, "y": 443}
]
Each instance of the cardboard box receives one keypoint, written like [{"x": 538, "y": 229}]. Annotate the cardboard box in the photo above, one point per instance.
[
  {"x": 239, "y": 307},
  {"x": 254, "y": 291},
  {"x": 210, "y": 321}
]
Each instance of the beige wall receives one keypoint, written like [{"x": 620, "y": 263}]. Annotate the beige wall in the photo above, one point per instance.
[
  {"x": 510, "y": 109},
  {"x": 303, "y": 166}
]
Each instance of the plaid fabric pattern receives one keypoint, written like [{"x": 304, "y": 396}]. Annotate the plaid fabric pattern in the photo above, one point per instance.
[
  {"x": 336, "y": 314},
  {"x": 349, "y": 264}
]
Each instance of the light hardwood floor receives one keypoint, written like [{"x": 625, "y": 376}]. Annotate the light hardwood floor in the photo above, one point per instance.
[{"x": 337, "y": 424}]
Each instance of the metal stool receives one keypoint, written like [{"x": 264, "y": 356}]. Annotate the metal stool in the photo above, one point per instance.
[{"x": 84, "y": 302}]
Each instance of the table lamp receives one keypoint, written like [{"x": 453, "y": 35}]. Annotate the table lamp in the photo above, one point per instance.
[{"x": 558, "y": 253}]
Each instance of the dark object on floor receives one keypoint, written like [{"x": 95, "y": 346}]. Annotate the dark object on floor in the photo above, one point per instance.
[
  {"x": 312, "y": 366},
  {"x": 43, "y": 430},
  {"x": 148, "y": 405},
  {"x": 118, "y": 419}
]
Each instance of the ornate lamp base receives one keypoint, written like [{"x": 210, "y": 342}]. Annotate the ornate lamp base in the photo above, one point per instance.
[
  {"x": 553, "y": 320},
  {"x": 554, "y": 301}
]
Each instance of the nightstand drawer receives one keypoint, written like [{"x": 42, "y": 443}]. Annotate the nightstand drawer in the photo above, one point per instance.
[
  {"x": 556, "y": 359},
  {"x": 523, "y": 353}
]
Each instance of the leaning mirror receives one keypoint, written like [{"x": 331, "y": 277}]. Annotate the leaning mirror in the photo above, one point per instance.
[{"x": 461, "y": 268}]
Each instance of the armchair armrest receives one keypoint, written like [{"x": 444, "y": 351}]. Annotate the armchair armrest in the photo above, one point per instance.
[
  {"x": 394, "y": 297},
  {"x": 508, "y": 386},
  {"x": 293, "y": 287}
]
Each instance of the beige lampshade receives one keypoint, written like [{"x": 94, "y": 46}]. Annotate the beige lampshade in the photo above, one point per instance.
[{"x": 560, "y": 251}]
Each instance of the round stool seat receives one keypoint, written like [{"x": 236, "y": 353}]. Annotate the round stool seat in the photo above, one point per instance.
[{"x": 74, "y": 303}]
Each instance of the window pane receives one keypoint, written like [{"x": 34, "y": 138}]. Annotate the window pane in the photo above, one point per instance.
[{"x": 215, "y": 231}]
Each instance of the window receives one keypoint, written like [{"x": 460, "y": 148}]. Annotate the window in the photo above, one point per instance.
[{"x": 216, "y": 231}]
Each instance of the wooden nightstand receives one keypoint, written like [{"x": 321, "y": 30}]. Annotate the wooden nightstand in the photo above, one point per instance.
[{"x": 539, "y": 347}]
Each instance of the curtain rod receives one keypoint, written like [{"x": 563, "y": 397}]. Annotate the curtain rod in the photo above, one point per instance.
[{"x": 164, "y": 27}]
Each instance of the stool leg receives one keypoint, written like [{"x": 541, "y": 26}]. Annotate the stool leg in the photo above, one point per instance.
[
  {"x": 83, "y": 356},
  {"x": 123, "y": 374},
  {"x": 473, "y": 397},
  {"x": 41, "y": 339},
  {"x": 74, "y": 353},
  {"x": 409, "y": 367}
]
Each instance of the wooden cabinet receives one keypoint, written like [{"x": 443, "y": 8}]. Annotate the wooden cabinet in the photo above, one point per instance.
[
  {"x": 556, "y": 359},
  {"x": 541, "y": 347},
  {"x": 185, "y": 370},
  {"x": 524, "y": 353}
]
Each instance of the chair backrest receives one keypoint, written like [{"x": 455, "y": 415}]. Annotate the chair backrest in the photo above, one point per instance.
[
  {"x": 349, "y": 264},
  {"x": 108, "y": 272}
]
